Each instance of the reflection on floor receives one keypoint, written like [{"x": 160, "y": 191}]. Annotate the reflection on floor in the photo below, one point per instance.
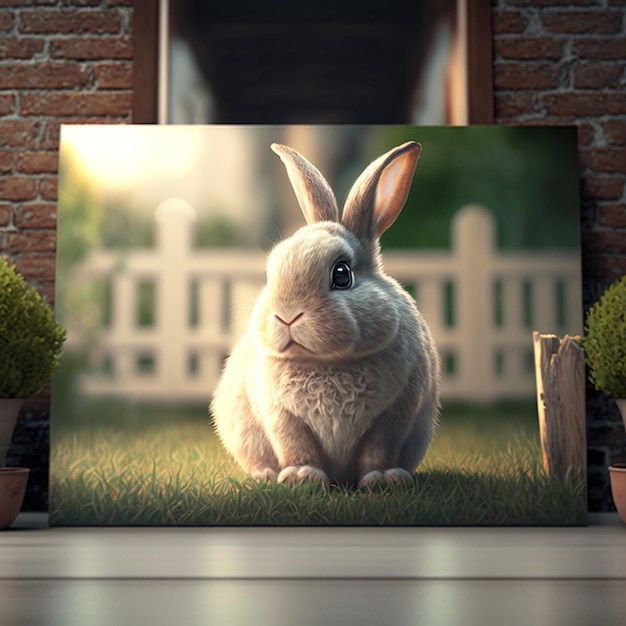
[{"x": 448, "y": 576}]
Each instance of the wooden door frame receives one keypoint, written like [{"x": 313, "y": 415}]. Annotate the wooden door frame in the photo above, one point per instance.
[{"x": 478, "y": 45}]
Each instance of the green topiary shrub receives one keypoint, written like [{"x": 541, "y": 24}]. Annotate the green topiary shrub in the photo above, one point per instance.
[
  {"x": 605, "y": 341},
  {"x": 30, "y": 339}
]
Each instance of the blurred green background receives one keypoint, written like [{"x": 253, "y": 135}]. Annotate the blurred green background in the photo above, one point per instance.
[{"x": 527, "y": 177}]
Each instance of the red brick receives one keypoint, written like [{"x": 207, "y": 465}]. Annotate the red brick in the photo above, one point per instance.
[
  {"x": 599, "y": 48},
  {"x": 586, "y": 134},
  {"x": 607, "y": 187},
  {"x": 47, "y": 292},
  {"x": 7, "y": 20},
  {"x": 69, "y": 21},
  {"x": 48, "y": 187},
  {"x": 39, "y": 267},
  {"x": 36, "y": 215},
  {"x": 43, "y": 76},
  {"x": 18, "y": 188},
  {"x": 596, "y": 75},
  {"x": 528, "y": 48},
  {"x": 75, "y": 104},
  {"x": 509, "y": 22},
  {"x": 615, "y": 132},
  {"x": 20, "y": 47},
  {"x": 19, "y": 133},
  {"x": 7, "y": 161},
  {"x": 538, "y": 118},
  {"x": 515, "y": 104},
  {"x": 585, "y": 103},
  {"x": 582, "y": 22},
  {"x": 91, "y": 49},
  {"x": 27, "y": 3},
  {"x": 86, "y": 3},
  {"x": 5, "y": 214},
  {"x": 33, "y": 241},
  {"x": 114, "y": 75},
  {"x": 604, "y": 160},
  {"x": 37, "y": 162},
  {"x": 7, "y": 105},
  {"x": 526, "y": 76},
  {"x": 605, "y": 241},
  {"x": 612, "y": 215}
]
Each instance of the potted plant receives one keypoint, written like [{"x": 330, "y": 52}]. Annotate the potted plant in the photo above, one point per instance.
[
  {"x": 30, "y": 346},
  {"x": 605, "y": 353}
]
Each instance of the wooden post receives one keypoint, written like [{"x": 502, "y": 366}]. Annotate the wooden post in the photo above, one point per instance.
[
  {"x": 560, "y": 373},
  {"x": 473, "y": 239}
]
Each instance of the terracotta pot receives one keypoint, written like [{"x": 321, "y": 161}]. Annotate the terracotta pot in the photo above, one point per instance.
[
  {"x": 13, "y": 481},
  {"x": 9, "y": 410},
  {"x": 617, "y": 474}
]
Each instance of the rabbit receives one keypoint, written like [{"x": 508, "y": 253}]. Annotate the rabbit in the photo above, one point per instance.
[{"x": 337, "y": 378}]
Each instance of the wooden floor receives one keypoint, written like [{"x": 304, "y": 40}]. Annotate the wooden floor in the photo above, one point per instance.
[{"x": 301, "y": 577}]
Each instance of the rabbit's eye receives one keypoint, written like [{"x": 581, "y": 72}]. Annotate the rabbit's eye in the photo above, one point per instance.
[{"x": 341, "y": 276}]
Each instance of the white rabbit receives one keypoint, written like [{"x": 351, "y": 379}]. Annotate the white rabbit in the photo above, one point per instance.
[{"x": 337, "y": 378}]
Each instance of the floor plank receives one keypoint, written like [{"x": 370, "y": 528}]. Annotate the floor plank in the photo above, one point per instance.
[
  {"x": 596, "y": 551},
  {"x": 312, "y": 602}
]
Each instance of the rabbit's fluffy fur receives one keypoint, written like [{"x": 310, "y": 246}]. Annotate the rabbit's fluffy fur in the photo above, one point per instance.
[{"x": 337, "y": 378}]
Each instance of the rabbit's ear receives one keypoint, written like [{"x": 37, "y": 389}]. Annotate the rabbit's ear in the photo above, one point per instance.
[
  {"x": 314, "y": 194},
  {"x": 379, "y": 193}
]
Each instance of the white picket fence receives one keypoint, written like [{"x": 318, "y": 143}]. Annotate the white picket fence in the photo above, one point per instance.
[{"x": 481, "y": 303}]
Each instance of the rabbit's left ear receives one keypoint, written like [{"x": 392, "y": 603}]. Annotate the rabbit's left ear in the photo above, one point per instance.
[{"x": 379, "y": 193}]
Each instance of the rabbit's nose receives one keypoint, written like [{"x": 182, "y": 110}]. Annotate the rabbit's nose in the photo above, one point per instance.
[{"x": 288, "y": 318}]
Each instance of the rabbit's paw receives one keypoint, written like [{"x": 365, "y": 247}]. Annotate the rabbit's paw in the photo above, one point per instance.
[
  {"x": 264, "y": 475},
  {"x": 393, "y": 476},
  {"x": 294, "y": 474}
]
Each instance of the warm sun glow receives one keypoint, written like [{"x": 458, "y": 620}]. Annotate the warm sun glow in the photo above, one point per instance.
[{"x": 121, "y": 157}]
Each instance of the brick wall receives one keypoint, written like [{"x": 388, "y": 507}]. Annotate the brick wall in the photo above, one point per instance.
[
  {"x": 60, "y": 61},
  {"x": 564, "y": 62},
  {"x": 556, "y": 62}
]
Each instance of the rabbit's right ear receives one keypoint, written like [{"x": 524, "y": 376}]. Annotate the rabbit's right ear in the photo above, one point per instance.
[{"x": 314, "y": 194}]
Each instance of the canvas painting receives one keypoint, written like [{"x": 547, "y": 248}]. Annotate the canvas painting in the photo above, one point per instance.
[{"x": 311, "y": 325}]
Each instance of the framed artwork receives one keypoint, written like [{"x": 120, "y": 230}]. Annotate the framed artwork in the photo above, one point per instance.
[
  {"x": 427, "y": 62},
  {"x": 181, "y": 245}
]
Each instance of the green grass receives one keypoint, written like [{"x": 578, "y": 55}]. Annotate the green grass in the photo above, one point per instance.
[{"x": 484, "y": 467}]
